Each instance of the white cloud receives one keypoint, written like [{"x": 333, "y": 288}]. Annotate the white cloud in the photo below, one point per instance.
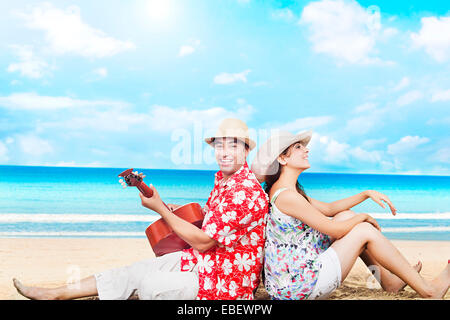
[
  {"x": 228, "y": 78},
  {"x": 368, "y": 118},
  {"x": 283, "y": 14},
  {"x": 442, "y": 95},
  {"x": 335, "y": 151},
  {"x": 409, "y": 97},
  {"x": 162, "y": 119},
  {"x": 186, "y": 50},
  {"x": 442, "y": 120},
  {"x": 434, "y": 37},
  {"x": 100, "y": 72},
  {"x": 344, "y": 30},
  {"x": 329, "y": 150},
  {"x": 33, "y": 101},
  {"x": 96, "y": 74},
  {"x": 67, "y": 33},
  {"x": 117, "y": 116},
  {"x": 370, "y": 143},
  {"x": 365, "y": 107},
  {"x": 361, "y": 125},
  {"x": 389, "y": 32},
  {"x": 190, "y": 48},
  {"x": 406, "y": 144},
  {"x": 94, "y": 164},
  {"x": 115, "y": 120},
  {"x": 166, "y": 119},
  {"x": 442, "y": 155},
  {"x": 364, "y": 155},
  {"x": 306, "y": 123},
  {"x": 33, "y": 145},
  {"x": 29, "y": 64},
  {"x": 403, "y": 83}
]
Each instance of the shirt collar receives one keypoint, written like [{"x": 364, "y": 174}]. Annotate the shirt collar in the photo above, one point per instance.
[{"x": 219, "y": 174}]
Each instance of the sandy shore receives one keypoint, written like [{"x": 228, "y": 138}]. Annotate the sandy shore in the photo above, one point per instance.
[{"x": 52, "y": 262}]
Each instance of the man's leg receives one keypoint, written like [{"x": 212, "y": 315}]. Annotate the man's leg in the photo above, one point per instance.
[{"x": 84, "y": 288}]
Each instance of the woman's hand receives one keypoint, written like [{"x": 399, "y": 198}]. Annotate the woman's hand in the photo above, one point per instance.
[
  {"x": 372, "y": 221},
  {"x": 379, "y": 197},
  {"x": 154, "y": 203}
]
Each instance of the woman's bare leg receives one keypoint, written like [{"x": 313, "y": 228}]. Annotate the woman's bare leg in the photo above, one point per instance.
[
  {"x": 86, "y": 287},
  {"x": 365, "y": 237},
  {"x": 388, "y": 281}
]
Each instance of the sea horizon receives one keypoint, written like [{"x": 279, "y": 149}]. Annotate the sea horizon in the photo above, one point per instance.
[{"x": 215, "y": 170}]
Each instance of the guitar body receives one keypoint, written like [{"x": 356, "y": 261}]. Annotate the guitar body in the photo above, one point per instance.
[{"x": 161, "y": 236}]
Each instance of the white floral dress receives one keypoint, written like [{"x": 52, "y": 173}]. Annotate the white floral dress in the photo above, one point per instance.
[{"x": 292, "y": 249}]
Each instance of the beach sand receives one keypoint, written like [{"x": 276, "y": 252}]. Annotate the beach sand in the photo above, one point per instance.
[{"x": 52, "y": 262}]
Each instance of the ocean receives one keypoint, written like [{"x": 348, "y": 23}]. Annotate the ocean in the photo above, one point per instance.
[{"x": 72, "y": 202}]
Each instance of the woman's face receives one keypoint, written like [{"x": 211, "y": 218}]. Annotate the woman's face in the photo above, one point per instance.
[{"x": 295, "y": 157}]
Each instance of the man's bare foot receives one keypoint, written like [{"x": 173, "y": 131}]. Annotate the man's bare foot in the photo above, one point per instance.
[
  {"x": 396, "y": 284},
  {"x": 33, "y": 293}
]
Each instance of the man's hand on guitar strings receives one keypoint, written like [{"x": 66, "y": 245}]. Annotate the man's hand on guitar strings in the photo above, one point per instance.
[
  {"x": 172, "y": 206},
  {"x": 154, "y": 203}
]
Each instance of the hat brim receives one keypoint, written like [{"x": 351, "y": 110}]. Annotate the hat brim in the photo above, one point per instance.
[
  {"x": 265, "y": 163},
  {"x": 251, "y": 144}
]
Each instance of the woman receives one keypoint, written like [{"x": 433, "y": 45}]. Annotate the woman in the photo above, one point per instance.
[{"x": 311, "y": 245}]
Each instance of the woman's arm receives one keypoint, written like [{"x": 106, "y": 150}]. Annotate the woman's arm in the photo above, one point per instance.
[
  {"x": 293, "y": 204},
  {"x": 332, "y": 208}
]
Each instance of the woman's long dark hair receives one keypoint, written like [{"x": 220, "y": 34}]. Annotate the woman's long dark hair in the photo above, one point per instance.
[{"x": 270, "y": 180}]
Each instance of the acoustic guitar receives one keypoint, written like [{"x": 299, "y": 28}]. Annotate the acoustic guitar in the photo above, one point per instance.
[{"x": 162, "y": 238}]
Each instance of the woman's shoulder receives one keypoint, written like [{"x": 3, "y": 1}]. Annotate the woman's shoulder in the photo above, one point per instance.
[
  {"x": 282, "y": 192},
  {"x": 289, "y": 200}
]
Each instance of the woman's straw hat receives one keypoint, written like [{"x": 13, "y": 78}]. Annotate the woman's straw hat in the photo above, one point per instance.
[
  {"x": 265, "y": 162},
  {"x": 233, "y": 128}
]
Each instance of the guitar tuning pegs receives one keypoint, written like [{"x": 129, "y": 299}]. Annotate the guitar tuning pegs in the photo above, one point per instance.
[{"x": 124, "y": 185}]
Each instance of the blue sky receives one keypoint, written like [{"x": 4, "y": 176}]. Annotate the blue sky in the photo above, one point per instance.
[{"x": 140, "y": 83}]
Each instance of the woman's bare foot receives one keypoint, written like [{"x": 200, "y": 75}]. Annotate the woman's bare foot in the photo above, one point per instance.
[
  {"x": 441, "y": 284},
  {"x": 396, "y": 284},
  {"x": 33, "y": 293}
]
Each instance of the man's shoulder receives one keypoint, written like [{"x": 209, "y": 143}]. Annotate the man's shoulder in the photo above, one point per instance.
[
  {"x": 251, "y": 186},
  {"x": 248, "y": 181}
]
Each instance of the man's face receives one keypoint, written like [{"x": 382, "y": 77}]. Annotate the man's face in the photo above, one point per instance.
[{"x": 230, "y": 155}]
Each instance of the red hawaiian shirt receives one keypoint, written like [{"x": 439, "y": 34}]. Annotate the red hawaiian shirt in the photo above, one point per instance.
[{"x": 235, "y": 216}]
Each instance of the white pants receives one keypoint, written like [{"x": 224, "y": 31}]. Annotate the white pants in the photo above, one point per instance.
[
  {"x": 330, "y": 275},
  {"x": 157, "y": 278}
]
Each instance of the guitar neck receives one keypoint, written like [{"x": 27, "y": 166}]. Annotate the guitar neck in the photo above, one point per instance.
[{"x": 146, "y": 191}]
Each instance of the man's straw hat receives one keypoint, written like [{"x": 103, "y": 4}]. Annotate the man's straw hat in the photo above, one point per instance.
[{"x": 233, "y": 128}]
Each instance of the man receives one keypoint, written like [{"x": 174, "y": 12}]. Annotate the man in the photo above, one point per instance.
[{"x": 225, "y": 258}]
